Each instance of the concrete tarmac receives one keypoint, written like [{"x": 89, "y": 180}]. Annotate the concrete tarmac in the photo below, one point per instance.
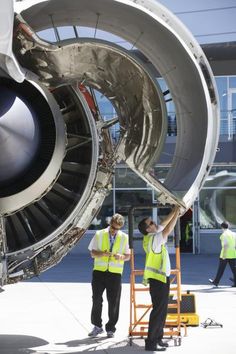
[{"x": 51, "y": 314}]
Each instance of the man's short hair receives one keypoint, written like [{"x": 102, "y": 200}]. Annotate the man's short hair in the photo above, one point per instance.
[
  {"x": 142, "y": 226},
  {"x": 118, "y": 220},
  {"x": 224, "y": 225}
]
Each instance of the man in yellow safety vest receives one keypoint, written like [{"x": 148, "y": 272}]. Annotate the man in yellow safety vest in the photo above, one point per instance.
[
  {"x": 227, "y": 254},
  {"x": 110, "y": 249},
  {"x": 156, "y": 273}
]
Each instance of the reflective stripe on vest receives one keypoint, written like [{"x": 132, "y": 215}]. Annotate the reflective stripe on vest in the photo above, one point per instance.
[
  {"x": 157, "y": 271},
  {"x": 155, "y": 267},
  {"x": 110, "y": 263}
]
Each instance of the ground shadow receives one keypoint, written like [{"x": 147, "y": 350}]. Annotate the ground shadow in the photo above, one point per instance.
[
  {"x": 220, "y": 289},
  {"x": 19, "y": 344},
  {"x": 109, "y": 346},
  {"x": 84, "y": 341},
  {"x": 102, "y": 345}
]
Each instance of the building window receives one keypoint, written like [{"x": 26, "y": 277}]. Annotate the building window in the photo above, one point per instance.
[
  {"x": 125, "y": 199},
  {"x": 126, "y": 178},
  {"x": 217, "y": 199},
  {"x": 226, "y": 86}
]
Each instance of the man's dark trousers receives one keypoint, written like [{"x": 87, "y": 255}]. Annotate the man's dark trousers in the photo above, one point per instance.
[
  {"x": 112, "y": 283},
  {"x": 221, "y": 269},
  {"x": 159, "y": 292}
]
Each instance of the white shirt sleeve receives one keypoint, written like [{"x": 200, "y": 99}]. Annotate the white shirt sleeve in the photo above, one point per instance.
[
  {"x": 93, "y": 244},
  {"x": 127, "y": 249},
  {"x": 158, "y": 240}
]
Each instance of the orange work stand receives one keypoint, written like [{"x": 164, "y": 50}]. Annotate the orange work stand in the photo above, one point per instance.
[{"x": 140, "y": 303}]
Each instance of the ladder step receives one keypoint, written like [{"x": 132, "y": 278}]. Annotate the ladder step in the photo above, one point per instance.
[
  {"x": 172, "y": 306},
  {"x": 170, "y": 323},
  {"x": 138, "y": 333},
  {"x": 171, "y": 333},
  {"x": 137, "y": 272},
  {"x": 142, "y": 306},
  {"x": 141, "y": 289},
  {"x": 174, "y": 271}
]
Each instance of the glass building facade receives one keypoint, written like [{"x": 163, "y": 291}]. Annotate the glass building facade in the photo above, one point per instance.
[{"x": 217, "y": 199}]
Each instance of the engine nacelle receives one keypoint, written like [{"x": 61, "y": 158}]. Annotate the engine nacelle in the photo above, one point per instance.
[{"x": 59, "y": 156}]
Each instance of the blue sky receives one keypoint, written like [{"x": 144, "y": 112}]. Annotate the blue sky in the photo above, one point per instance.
[{"x": 209, "y": 21}]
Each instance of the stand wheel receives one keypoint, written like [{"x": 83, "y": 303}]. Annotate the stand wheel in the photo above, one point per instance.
[{"x": 177, "y": 342}]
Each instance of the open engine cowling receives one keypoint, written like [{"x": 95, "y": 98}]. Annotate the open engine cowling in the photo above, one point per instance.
[{"x": 59, "y": 156}]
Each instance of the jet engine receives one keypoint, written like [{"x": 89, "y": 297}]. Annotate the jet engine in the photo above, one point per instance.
[{"x": 57, "y": 153}]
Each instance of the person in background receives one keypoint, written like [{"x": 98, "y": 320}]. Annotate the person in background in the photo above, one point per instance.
[
  {"x": 110, "y": 249},
  {"x": 227, "y": 254},
  {"x": 156, "y": 273}
]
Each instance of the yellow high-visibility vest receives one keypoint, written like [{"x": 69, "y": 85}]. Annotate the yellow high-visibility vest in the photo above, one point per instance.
[
  {"x": 187, "y": 233},
  {"x": 110, "y": 264},
  {"x": 228, "y": 243},
  {"x": 146, "y": 239},
  {"x": 155, "y": 265}
]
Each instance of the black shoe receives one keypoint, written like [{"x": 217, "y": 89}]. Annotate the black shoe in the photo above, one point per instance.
[
  {"x": 155, "y": 349},
  {"x": 212, "y": 282},
  {"x": 162, "y": 344},
  {"x": 151, "y": 347}
]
